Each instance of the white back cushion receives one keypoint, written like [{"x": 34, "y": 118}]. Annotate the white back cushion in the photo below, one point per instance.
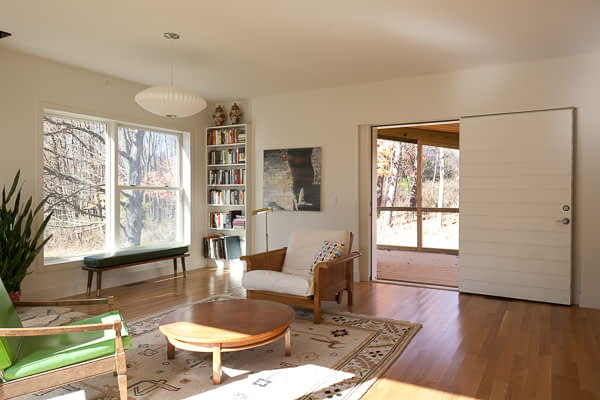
[{"x": 304, "y": 245}]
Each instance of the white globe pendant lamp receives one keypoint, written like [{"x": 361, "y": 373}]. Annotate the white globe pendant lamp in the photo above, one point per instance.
[{"x": 170, "y": 101}]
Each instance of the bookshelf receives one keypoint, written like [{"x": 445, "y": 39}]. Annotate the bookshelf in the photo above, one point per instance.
[{"x": 226, "y": 150}]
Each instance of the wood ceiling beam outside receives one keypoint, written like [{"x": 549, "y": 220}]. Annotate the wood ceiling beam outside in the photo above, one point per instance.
[{"x": 429, "y": 138}]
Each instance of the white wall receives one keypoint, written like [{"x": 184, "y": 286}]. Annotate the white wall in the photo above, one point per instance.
[
  {"x": 27, "y": 85},
  {"x": 330, "y": 118}
]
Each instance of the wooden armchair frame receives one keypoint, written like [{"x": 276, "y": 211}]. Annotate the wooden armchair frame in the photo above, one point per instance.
[
  {"x": 115, "y": 363},
  {"x": 330, "y": 279}
]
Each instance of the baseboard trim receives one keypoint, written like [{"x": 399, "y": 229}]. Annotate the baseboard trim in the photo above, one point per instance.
[{"x": 418, "y": 285}]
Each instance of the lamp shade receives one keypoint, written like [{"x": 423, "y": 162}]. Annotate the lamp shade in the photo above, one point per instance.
[{"x": 170, "y": 101}]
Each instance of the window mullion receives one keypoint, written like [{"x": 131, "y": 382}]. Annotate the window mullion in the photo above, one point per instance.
[
  {"x": 419, "y": 194},
  {"x": 113, "y": 242}
]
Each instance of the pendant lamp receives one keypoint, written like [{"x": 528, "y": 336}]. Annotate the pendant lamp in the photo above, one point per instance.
[{"x": 170, "y": 101}]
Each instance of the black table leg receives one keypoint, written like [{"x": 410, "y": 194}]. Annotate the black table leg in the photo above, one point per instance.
[
  {"x": 98, "y": 283},
  {"x": 89, "y": 282}
]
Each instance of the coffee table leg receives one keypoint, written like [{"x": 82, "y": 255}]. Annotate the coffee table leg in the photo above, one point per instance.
[
  {"x": 288, "y": 342},
  {"x": 217, "y": 365},
  {"x": 170, "y": 350}
]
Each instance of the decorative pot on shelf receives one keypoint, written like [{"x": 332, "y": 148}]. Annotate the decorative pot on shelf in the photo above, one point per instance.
[
  {"x": 235, "y": 115},
  {"x": 15, "y": 296},
  {"x": 219, "y": 115}
]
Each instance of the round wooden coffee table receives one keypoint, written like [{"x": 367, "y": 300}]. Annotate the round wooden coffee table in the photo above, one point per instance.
[{"x": 229, "y": 325}]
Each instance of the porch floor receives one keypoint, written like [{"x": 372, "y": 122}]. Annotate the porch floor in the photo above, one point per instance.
[{"x": 417, "y": 267}]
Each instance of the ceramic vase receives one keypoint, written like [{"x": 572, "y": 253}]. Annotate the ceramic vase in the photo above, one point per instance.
[
  {"x": 235, "y": 115},
  {"x": 219, "y": 115}
]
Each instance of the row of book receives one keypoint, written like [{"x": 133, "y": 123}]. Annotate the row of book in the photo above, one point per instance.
[
  {"x": 239, "y": 222},
  {"x": 229, "y": 156},
  {"x": 227, "y": 176},
  {"x": 227, "y": 197},
  {"x": 227, "y": 220},
  {"x": 226, "y": 136},
  {"x": 222, "y": 247}
]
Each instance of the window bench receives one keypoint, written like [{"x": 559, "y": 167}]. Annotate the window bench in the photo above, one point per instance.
[{"x": 99, "y": 263}]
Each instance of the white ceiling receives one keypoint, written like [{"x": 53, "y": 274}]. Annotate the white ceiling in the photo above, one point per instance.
[{"x": 246, "y": 48}]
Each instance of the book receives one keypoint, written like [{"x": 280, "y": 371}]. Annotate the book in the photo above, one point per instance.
[
  {"x": 232, "y": 247},
  {"x": 207, "y": 245}
]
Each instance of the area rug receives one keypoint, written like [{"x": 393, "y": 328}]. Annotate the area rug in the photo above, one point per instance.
[{"x": 337, "y": 359}]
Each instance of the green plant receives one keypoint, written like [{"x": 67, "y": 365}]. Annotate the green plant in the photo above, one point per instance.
[{"x": 19, "y": 243}]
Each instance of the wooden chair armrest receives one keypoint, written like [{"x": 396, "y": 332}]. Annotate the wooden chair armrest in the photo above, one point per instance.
[
  {"x": 271, "y": 260},
  {"x": 110, "y": 300},
  {"x": 57, "y": 330},
  {"x": 337, "y": 261}
]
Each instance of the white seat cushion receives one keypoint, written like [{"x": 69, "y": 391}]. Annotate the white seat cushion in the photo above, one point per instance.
[
  {"x": 304, "y": 245},
  {"x": 279, "y": 282}
]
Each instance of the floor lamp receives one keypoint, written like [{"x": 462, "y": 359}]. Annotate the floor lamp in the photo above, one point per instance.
[{"x": 265, "y": 211}]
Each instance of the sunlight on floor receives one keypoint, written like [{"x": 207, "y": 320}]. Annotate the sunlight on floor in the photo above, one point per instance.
[
  {"x": 277, "y": 384},
  {"x": 78, "y": 395},
  {"x": 234, "y": 267},
  {"x": 409, "y": 391}
]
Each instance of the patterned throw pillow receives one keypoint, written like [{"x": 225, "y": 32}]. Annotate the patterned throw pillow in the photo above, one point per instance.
[{"x": 329, "y": 251}]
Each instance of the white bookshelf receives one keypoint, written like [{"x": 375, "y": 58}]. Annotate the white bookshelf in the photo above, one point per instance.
[{"x": 226, "y": 164}]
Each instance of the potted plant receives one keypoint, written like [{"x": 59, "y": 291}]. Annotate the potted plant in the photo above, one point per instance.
[{"x": 20, "y": 243}]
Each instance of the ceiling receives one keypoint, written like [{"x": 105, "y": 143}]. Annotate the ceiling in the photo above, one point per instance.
[
  {"x": 452, "y": 127},
  {"x": 240, "y": 49}
]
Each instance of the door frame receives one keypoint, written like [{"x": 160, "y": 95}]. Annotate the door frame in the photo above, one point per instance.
[{"x": 367, "y": 139}]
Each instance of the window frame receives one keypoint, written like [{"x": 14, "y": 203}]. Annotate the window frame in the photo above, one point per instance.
[
  {"x": 419, "y": 209},
  {"x": 114, "y": 188},
  {"x": 178, "y": 188}
]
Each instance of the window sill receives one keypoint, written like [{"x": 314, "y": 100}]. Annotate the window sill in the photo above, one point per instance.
[{"x": 63, "y": 261}]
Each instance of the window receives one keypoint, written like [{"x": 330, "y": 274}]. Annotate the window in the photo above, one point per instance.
[
  {"x": 411, "y": 216},
  {"x": 110, "y": 185},
  {"x": 148, "y": 187}
]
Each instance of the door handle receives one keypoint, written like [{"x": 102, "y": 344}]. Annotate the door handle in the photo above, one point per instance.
[{"x": 565, "y": 221}]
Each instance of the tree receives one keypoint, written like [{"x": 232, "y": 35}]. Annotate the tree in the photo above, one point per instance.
[{"x": 74, "y": 154}]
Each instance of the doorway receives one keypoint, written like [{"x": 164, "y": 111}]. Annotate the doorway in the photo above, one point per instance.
[{"x": 416, "y": 191}]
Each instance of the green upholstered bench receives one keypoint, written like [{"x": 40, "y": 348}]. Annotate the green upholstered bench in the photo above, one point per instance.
[
  {"x": 99, "y": 263},
  {"x": 41, "y": 358}
]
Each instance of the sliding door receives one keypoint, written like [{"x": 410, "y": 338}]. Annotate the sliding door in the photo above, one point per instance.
[{"x": 516, "y": 205}]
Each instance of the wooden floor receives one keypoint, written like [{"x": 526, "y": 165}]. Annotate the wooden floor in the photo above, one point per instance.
[
  {"x": 417, "y": 267},
  {"x": 470, "y": 347}
]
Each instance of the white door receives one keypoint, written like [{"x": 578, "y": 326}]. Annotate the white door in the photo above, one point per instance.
[{"x": 516, "y": 204}]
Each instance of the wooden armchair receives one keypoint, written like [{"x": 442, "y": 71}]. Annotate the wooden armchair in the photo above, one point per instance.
[
  {"x": 42, "y": 358},
  {"x": 327, "y": 281}
]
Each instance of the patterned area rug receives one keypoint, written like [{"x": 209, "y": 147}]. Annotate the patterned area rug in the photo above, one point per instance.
[{"x": 337, "y": 359}]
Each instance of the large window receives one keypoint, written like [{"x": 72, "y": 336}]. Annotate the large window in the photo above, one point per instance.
[
  {"x": 417, "y": 196},
  {"x": 110, "y": 185}
]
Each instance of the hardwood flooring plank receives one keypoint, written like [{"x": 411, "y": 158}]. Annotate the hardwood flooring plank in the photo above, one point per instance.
[{"x": 470, "y": 346}]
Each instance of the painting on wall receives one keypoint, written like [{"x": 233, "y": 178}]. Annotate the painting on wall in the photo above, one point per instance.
[{"x": 292, "y": 179}]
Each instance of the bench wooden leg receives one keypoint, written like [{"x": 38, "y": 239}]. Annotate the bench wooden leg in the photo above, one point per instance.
[
  {"x": 175, "y": 267},
  {"x": 183, "y": 265},
  {"x": 98, "y": 283},
  {"x": 89, "y": 282}
]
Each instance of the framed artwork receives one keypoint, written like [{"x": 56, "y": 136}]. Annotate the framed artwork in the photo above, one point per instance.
[{"x": 292, "y": 179}]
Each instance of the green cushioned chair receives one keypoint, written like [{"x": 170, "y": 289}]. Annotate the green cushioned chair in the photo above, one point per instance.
[{"x": 42, "y": 358}]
